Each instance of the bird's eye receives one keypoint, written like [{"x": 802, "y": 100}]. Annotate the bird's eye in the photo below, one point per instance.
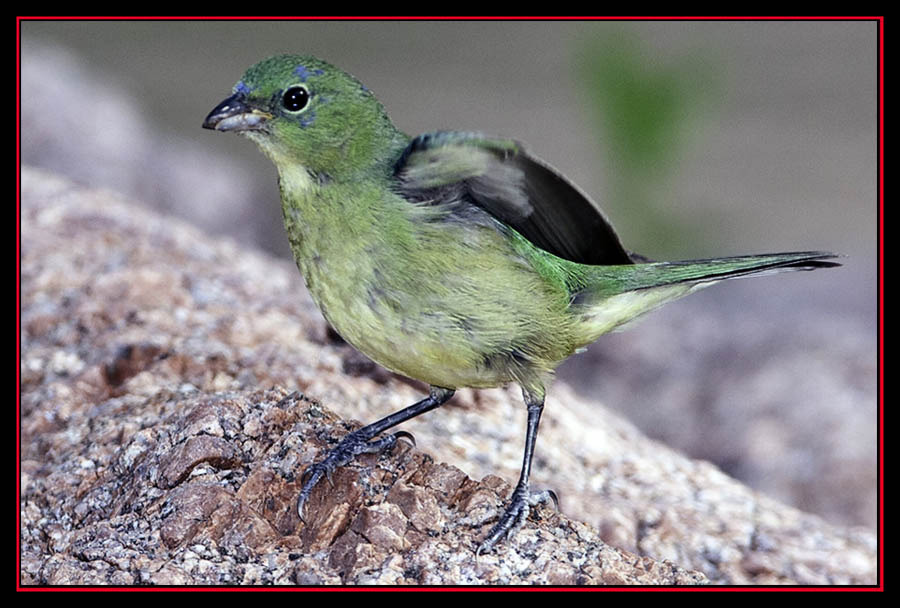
[{"x": 295, "y": 98}]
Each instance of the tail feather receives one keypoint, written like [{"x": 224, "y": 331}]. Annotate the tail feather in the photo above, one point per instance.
[
  {"x": 656, "y": 274},
  {"x": 618, "y": 294}
]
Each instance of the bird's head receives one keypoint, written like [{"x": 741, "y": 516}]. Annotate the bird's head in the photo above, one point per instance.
[{"x": 302, "y": 111}]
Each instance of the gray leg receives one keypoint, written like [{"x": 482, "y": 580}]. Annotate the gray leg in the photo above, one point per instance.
[
  {"x": 522, "y": 499},
  {"x": 361, "y": 442}
]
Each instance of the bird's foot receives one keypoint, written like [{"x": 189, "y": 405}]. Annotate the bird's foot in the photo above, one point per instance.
[
  {"x": 354, "y": 444},
  {"x": 516, "y": 513}
]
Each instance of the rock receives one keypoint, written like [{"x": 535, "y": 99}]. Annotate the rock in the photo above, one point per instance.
[{"x": 175, "y": 388}]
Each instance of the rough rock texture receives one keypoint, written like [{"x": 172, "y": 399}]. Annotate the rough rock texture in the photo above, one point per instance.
[
  {"x": 779, "y": 391},
  {"x": 175, "y": 387}
]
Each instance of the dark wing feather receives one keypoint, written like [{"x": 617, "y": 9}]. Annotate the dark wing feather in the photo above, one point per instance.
[{"x": 518, "y": 189}]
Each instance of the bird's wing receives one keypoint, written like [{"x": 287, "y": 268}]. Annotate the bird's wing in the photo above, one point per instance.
[{"x": 522, "y": 191}]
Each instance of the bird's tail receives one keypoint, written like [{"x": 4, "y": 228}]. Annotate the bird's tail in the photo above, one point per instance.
[{"x": 615, "y": 295}]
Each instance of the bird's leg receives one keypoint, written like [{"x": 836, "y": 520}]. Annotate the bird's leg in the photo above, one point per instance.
[
  {"x": 522, "y": 499},
  {"x": 360, "y": 442}
]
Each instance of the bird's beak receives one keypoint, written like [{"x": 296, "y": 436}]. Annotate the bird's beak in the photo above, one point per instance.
[{"x": 234, "y": 114}]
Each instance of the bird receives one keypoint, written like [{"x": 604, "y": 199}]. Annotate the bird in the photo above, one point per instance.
[{"x": 455, "y": 258}]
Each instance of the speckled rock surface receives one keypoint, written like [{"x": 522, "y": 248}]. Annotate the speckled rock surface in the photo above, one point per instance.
[{"x": 175, "y": 387}]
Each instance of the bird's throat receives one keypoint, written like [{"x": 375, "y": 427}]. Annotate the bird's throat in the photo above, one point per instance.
[{"x": 295, "y": 179}]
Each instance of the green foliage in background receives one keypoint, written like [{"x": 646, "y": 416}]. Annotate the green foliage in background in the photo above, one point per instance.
[{"x": 644, "y": 107}]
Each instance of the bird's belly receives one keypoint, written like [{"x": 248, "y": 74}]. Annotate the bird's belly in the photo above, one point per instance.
[{"x": 406, "y": 333}]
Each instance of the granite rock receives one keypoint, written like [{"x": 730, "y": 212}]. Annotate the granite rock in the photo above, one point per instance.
[{"x": 174, "y": 387}]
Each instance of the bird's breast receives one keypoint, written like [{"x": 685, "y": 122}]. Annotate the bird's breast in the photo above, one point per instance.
[{"x": 449, "y": 304}]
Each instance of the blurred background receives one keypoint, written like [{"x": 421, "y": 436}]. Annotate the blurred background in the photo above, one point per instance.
[{"x": 699, "y": 139}]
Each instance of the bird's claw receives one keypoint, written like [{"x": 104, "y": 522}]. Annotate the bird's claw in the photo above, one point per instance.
[
  {"x": 552, "y": 496},
  {"x": 407, "y": 436},
  {"x": 513, "y": 518},
  {"x": 351, "y": 446}
]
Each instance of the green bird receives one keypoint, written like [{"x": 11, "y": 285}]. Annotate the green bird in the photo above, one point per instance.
[{"x": 454, "y": 258}]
